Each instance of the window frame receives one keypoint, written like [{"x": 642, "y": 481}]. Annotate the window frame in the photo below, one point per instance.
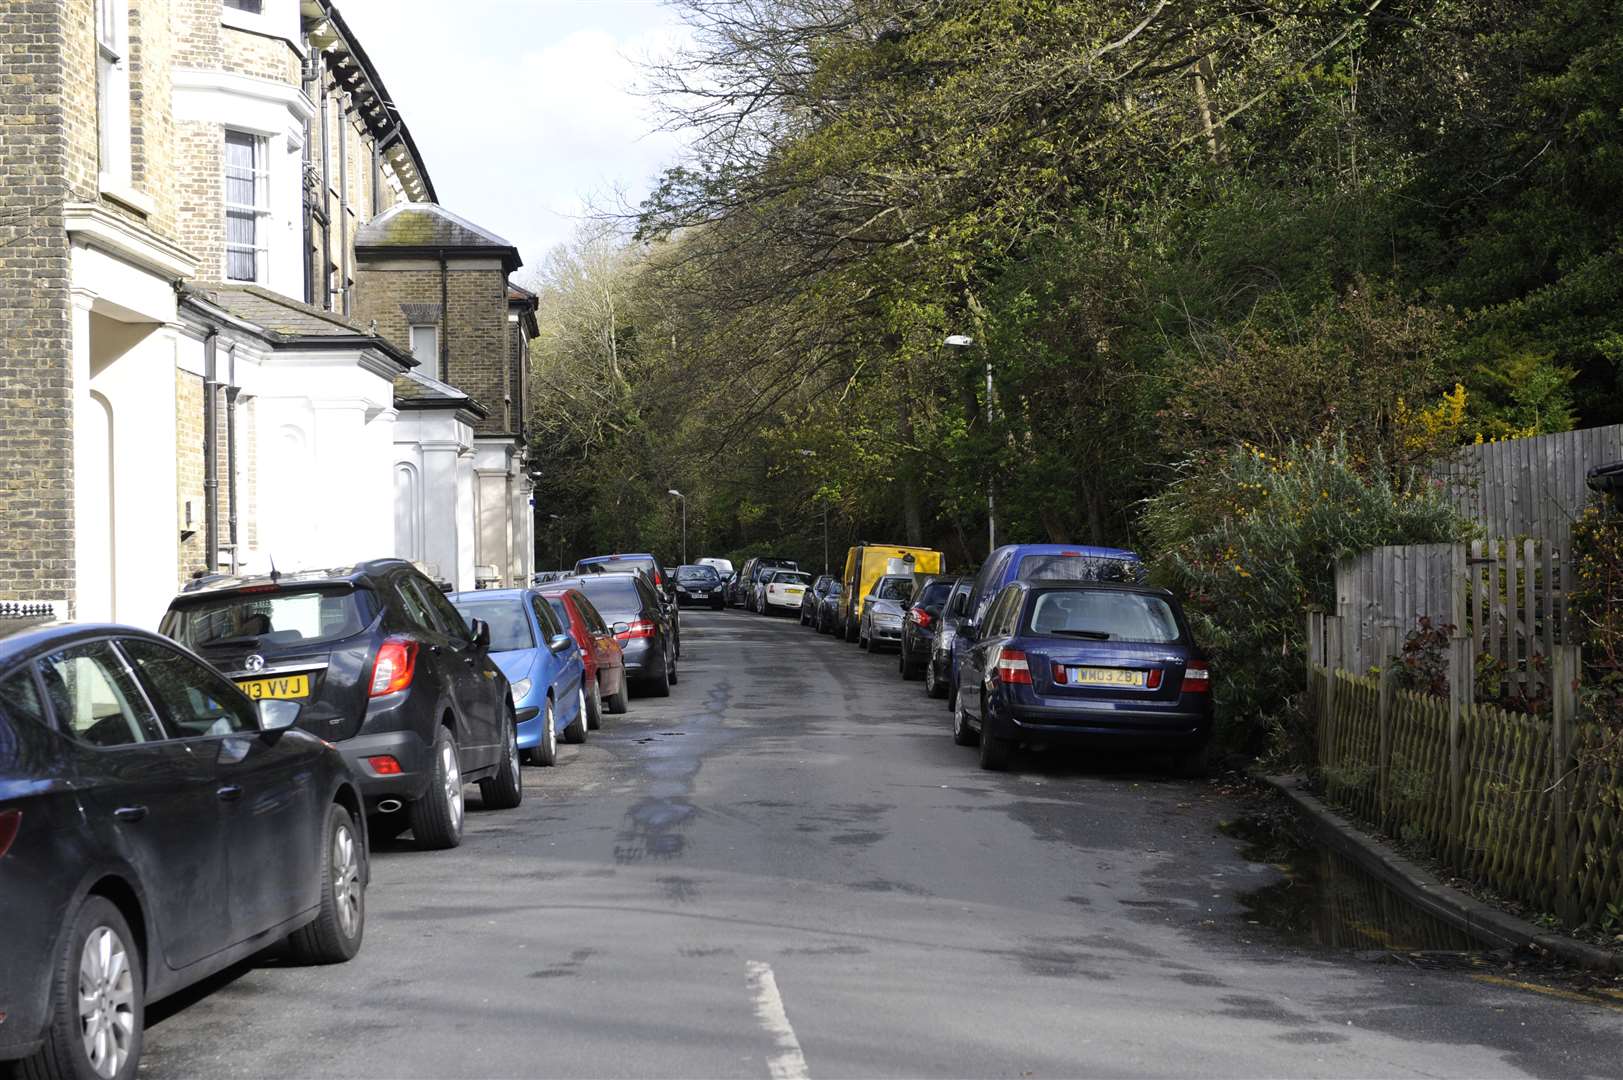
[
  {"x": 154, "y": 694},
  {"x": 257, "y": 212},
  {"x": 111, "y": 31},
  {"x": 65, "y": 728},
  {"x": 430, "y": 363}
]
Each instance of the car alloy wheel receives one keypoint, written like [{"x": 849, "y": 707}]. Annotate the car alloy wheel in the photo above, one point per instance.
[
  {"x": 453, "y": 784},
  {"x": 106, "y": 1001},
  {"x": 931, "y": 683},
  {"x": 346, "y": 879},
  {"x": 512, "y": 747}
]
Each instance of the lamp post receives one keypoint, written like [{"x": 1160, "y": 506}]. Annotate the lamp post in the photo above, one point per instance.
[
  {"x": 684, "y": 499},
  {"x": 964, "y": 341},
  {"x": 813, "y": 453}
]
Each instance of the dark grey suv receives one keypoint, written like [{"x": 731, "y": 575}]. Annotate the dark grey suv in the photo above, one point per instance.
[{"x": 385, "y": 668}]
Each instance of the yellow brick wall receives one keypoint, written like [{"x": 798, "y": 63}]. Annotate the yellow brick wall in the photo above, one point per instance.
[
  {"x": 189, "y": 470},
  {"x": 200, "y": 191}
]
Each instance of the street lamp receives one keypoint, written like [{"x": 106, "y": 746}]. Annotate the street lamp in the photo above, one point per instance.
[
  {"x": 684, "y": 499},
  {"x": 964, "y": 341},
  {"x": 813, "y": 453}
]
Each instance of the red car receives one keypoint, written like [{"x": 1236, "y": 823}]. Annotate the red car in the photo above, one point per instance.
[{"x": 605, "y": 663}]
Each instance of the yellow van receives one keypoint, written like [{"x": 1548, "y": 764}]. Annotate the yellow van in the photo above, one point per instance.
[{"x": 868, "y": 563}]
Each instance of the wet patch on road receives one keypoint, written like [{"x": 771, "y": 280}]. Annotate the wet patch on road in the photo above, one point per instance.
[
  {"x": 881, "y": 885},
  {"x": 564, "y": 969},
  {"x": 862, "y": 838},
  {"x": 823, "y": 950},
  {"x": 678, "y": 890}
]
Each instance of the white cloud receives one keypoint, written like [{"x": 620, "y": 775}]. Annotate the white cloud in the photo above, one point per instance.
[{"x": 524, "y": 109}]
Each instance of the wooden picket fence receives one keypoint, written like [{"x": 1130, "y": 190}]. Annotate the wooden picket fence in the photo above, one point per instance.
[
  {"x": 1508, "y": 800},
  {"x": 1529, "y": 487}
]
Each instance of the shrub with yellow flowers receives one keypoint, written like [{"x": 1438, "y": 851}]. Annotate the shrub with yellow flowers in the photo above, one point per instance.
[{"x": 1250, "y": 539}]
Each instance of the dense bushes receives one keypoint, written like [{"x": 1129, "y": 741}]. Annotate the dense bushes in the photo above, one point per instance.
[
  {"x": 1251, "y": 540},
  {"x": 1596, "y": 603}
]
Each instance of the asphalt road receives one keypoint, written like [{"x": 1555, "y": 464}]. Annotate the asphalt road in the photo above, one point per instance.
[{"x": 787, "y": 869}]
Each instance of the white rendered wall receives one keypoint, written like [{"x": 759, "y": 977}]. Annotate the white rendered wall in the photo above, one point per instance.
[{"x": 433, "y": 515}]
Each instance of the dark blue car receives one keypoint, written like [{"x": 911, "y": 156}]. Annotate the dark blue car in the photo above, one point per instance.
[
  {"x": 1091, "y": 663},
  {"x": 1028, "y": 562}
]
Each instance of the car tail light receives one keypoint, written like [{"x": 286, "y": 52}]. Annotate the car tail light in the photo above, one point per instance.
[
  {"x": 1197, "y": 677},
  {"x": 1152, "y": 679},
  {"x": 638, "y": 628},
  {"x": 394, "y": 667},
  {"x": 1012, "y": 668},
  {"x": 10, "y": 820},
  {"x": 921, "y": 617},
  {"x": 384, "y": 765}
]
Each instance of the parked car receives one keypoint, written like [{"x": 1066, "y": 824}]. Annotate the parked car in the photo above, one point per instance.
[
  {"x": 755, "y": 571},
  {"x": 812, "y": 597},
  {"x": 1028, "y": 562},
  {"x": 920, "y": 618},
  {"x": 611, "y": 564},
  {"x": 698, "y": 585},
  {"x": 604, "y": 659},
  {"x": 1090, "y": 663},
  {"x": 865, "y": 564},
  {"x": 938, "y": 670},
  {"x": 827, "y": 619},
  {"x": 543, "y": 666},
  {"x": 641, "y": 624},
  {"x": 542, "y": 577},
  {"x": 781, "y": 591},
  {"x": 882, "y": 611},
  {"x": 156, "y": 827},
  {"x": 385, "y": 668},
  {"x": 723, "y": 567}
]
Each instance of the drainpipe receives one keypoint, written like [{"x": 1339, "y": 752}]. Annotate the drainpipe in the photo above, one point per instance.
[
  {"x": 231, "y": 391},
  {"x": 343, "y": 200},
  {"x": 377, "y": 179},
  {"x": 326, "y": 205},
  {"x": 445, "y": 319},
  {"x": 211, "y": 456}
]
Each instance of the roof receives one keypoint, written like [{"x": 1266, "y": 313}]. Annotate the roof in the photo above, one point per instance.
[
  {"x": 285, "y": 321},
  {"x": 1093, "y": 586},
  {"x": 1071, "y": 549},
  {"x": 353, "y": 69},
  {"x": 518, "y": 294},
  {"x": 428, "y": 229},
  {"x": 337, "y": 575},
  {"x": 414, "y": 390}
]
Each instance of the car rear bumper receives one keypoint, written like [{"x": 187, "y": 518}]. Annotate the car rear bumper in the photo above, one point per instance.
[
  {"x": 406, "y": 747},
  {"x": 784, "y": 604},
  {"x": 643, "y": 658},
  {"x": 1080, "y": 725}
]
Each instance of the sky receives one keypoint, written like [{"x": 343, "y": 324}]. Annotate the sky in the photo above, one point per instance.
[{"x": 525, "y": 111}]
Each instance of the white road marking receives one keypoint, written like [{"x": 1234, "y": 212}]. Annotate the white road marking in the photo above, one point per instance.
[{"x": 788, "y": 1063}]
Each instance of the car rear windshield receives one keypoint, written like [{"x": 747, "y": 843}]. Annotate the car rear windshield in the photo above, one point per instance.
[
  {"x": 616, "y": 598},
  {"x": 789, "y": 579},
  {"x": 934, "y": 594},
  {"x": 1079, "y": 568},
  {"x": 1100, "y": 615},
  {"x": 701, "y": 575},
  {"x": 509, "y": 629},
  {"x": 611, "y": 566},
  {"x": 264, "y": 620}
]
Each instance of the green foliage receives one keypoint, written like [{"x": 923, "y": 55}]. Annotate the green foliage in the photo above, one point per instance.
[
  {"x": 1596, "y": 603},
  {"x": 1250, "y": 539}
]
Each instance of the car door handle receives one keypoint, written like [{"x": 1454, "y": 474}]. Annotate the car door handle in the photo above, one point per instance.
[
  {"x": 228, "y": 793},
  {"x": 130, "y": 813}
]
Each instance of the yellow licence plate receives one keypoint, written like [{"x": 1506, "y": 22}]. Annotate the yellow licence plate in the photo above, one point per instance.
[
  {"x": 286, "y": 686},
  {"x": 1104, "y": 676}
]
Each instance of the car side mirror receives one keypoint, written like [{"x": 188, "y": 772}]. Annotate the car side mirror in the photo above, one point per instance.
[
  {"x": 560, "y": 643},
  {"x": 277, "y": 715},
  {"x": 621, "y": 627},
  {"x": 481, "y": 633}
]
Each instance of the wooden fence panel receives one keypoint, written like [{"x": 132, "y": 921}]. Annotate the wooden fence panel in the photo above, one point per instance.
[{"x": 1529, "y": 487}]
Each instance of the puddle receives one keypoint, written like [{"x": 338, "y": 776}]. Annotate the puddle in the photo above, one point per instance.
[{"x": 1328, "y": 902}]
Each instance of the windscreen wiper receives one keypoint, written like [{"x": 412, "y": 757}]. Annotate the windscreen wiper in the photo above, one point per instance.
[{"x": 1092, "y": 635}]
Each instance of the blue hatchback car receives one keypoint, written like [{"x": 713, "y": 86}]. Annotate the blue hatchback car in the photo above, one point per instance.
[
  {"x": 1027, "y": 562},
  {"x": 542, "y": 663},
  {"x": 1093, "y": 663}
]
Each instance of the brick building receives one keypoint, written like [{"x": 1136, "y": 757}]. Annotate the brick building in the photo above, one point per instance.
[{"x": 187, "y": 370}]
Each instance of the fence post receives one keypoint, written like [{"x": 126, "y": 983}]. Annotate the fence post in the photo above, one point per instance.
[
  {"x": 1388, "y": 638},
  {"x": 1335, "y": 625},
  {"x": 1563, "y": 668}
]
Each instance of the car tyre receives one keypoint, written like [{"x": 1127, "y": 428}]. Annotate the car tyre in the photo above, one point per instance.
[
  {"x": 1193, "y": 764},
  {"x": 660, "y": 685},
  {"x": 594, "y": 708},
  {"x": 932, "y": 681},
  {"x": 617, "y": 700},
  {"x": 334, "y": 935},
  {"x": 546, "y": 748},
  {"x": 962, "y": 733},
  {"x": 100, "y": 939},
  {"x": 436, "y": 818},
  {"x": 995, "y": 752},
  {"x": 505, "y": 790},
  {"x": 576, "y": 733}
]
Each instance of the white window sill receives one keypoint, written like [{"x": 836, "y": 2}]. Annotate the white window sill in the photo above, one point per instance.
[{"x": 126, "y": 196}]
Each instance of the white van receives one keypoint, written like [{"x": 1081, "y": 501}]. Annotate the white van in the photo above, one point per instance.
[{"x": 722, "y": 566}]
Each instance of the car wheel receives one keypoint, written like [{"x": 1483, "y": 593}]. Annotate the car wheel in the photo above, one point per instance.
[
  {"x": 932, "y": 681},
  {"x": 962, "y": 733},
  {"x": 505, "y": 790},
  {"x": 617, "y": 700},
  {"x": 546, "y": 747},
  {"x": 901, "y": 660},
  {"x": 334, "y": 935},
  {"x": 436, "y": 818},
  {"x": 576, "y": 732},
  {"x": 1194, "y": 764},
  {"x": 995, "y": 752},
  {"x": 594, "y": 708},
  {"x": 660, "y": 685},
  {"x": 97, "y": 1011}
]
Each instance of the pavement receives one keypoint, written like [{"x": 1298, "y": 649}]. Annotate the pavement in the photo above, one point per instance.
[{"x": 787, "y": 869}]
